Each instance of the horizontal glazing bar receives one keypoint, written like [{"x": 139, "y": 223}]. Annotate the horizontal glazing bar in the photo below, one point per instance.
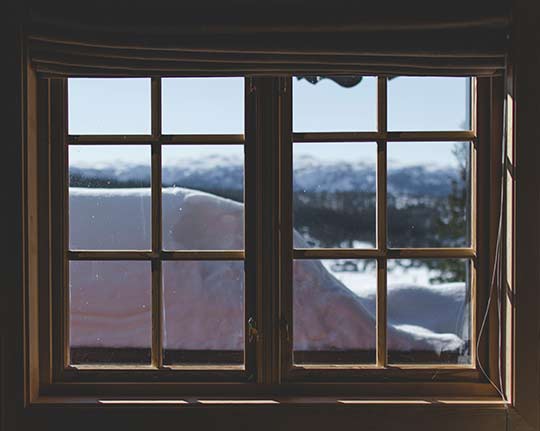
[
  {"x": 466, "y": 135},
  {"x": 335, "y": 253},
  {"x": 383, "y": 136},
  {"x": 148, "y": 139},
  {"x": 336, "y": 137},
  {"x": 110, "y": 139},
  {"x": 203, "y": 139},
  {"x": 394, "y": 253},
  {"x": 330, "y": 253},
  {"x": 164, "y": 255}
]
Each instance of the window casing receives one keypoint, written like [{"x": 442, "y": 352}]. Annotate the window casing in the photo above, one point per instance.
[{"x": 268, "y": 142}]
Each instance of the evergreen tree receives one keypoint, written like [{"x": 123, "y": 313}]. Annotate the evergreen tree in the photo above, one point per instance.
[{"x": 451, "y": 220}]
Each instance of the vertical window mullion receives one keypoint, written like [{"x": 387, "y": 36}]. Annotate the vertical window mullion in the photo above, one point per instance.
[
  {"x": 61, "y": 92},
  {"x": 286, "y": 223},
  {"x": 268, "y": 161},
  {"x": 157, "y": 292},
  {"x": 382, "y": 225},
  {"x": 252, "y": 193}
]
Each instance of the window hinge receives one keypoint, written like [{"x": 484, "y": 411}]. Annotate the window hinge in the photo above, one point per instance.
[
  {"x": 253, "y": 332},
  {"x": 282, "y": 86},
  {"x": 252, "y": 86}
]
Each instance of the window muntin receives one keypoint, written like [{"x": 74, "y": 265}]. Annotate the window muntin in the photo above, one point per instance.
[{"x": 127, "y": 256}]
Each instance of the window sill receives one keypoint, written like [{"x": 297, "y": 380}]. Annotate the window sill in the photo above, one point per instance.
[{"x": 491, "y": 403}]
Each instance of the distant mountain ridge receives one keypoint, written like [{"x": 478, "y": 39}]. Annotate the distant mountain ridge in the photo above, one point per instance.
[{"x": 310, "y": 175}]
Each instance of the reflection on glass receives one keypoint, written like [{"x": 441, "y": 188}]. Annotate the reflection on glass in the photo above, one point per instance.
[
  {"x": 334, "y": 104},
  {"x": 203, "y": 105},
  {"x": 203, "y": 191},
  {"x": 203, "y": 312},
  {"x": 429, "y": 312},
  {"x": 109, "y": 106},
  {"x": 109, "y": 197},
  {"x": 334, "y": 188},
  {"x": 429, "y": 103},
  {"x": 429, "y": 194},
  {"x": 110, "y": 319},
  {"x": 334, "y": 311}
]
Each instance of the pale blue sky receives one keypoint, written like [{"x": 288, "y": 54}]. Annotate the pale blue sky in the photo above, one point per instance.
[{"x": 215, "y": 105}]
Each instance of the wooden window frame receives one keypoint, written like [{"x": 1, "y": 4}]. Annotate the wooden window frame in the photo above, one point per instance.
[
  {"x": 157, "y": 370},
  {"x": 268, "y": 369}
]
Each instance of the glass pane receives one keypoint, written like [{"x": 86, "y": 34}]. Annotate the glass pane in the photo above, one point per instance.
[
  {"x": 203, "y": 191},
  {"x": 429, "y": 194},
  {"x": 334, "y": 311},
  {"x": 203, "y": 312},
  {"x": 429, "y": 311},
  {"x": 110, "y": 320},
  {"x": 429, "y": 103},
  {"x": 203, "y": 105},
  {"x": 109, "y": 106},
  {"x": 334, "y": 195},
  {"x": 334, "y": 104},
  {"x": 109, "y": 197}
]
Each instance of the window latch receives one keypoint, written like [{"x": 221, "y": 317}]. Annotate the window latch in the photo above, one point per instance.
[
  {"x": 285, "y": 328},
  {"x": 253, "y": 332}
]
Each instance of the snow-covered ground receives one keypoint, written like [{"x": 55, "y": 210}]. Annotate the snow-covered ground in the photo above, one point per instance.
[{"x": 203, "y": 301}]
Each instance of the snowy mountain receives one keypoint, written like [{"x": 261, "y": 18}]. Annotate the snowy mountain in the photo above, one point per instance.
[{"x": 310, "y": 175}]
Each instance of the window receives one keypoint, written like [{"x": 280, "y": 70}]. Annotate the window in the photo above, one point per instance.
[
  {"x": 385, "y": 215},
  {"x": 268, "y": 230},
  {"x": 156, "y": 214}
]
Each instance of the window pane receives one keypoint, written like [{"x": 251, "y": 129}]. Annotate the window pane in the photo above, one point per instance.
[
  {"x": 429, "y": 103},
  {"x": 334, "y": 195},
  {"x": 429, "y": 194},
  {"x": 334, "y": 104},
  {"x": 429, "y": 301},
  {"x": 203, "y": 312},
  {"x": 333, "y": 309},
  {"x": 203, "y": 105},
  {"x": 203, "y": 191},
  {"x": 110, "y": 312},
  {"x": 109, "y": 197},
  {"x": 109, "y": 106}
]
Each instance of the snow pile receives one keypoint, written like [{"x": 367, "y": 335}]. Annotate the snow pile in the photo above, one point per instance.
[{"x": 203, "y": 301}]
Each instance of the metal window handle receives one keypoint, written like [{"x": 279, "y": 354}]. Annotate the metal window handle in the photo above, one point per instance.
[
  {"x": 287, "y": 333},
  {"x": 253, "y": 333},
  {"x": 285, "y": 329}
]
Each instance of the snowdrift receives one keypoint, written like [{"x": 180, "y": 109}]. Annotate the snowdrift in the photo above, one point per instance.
[{"x": 203, "y": 309}]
